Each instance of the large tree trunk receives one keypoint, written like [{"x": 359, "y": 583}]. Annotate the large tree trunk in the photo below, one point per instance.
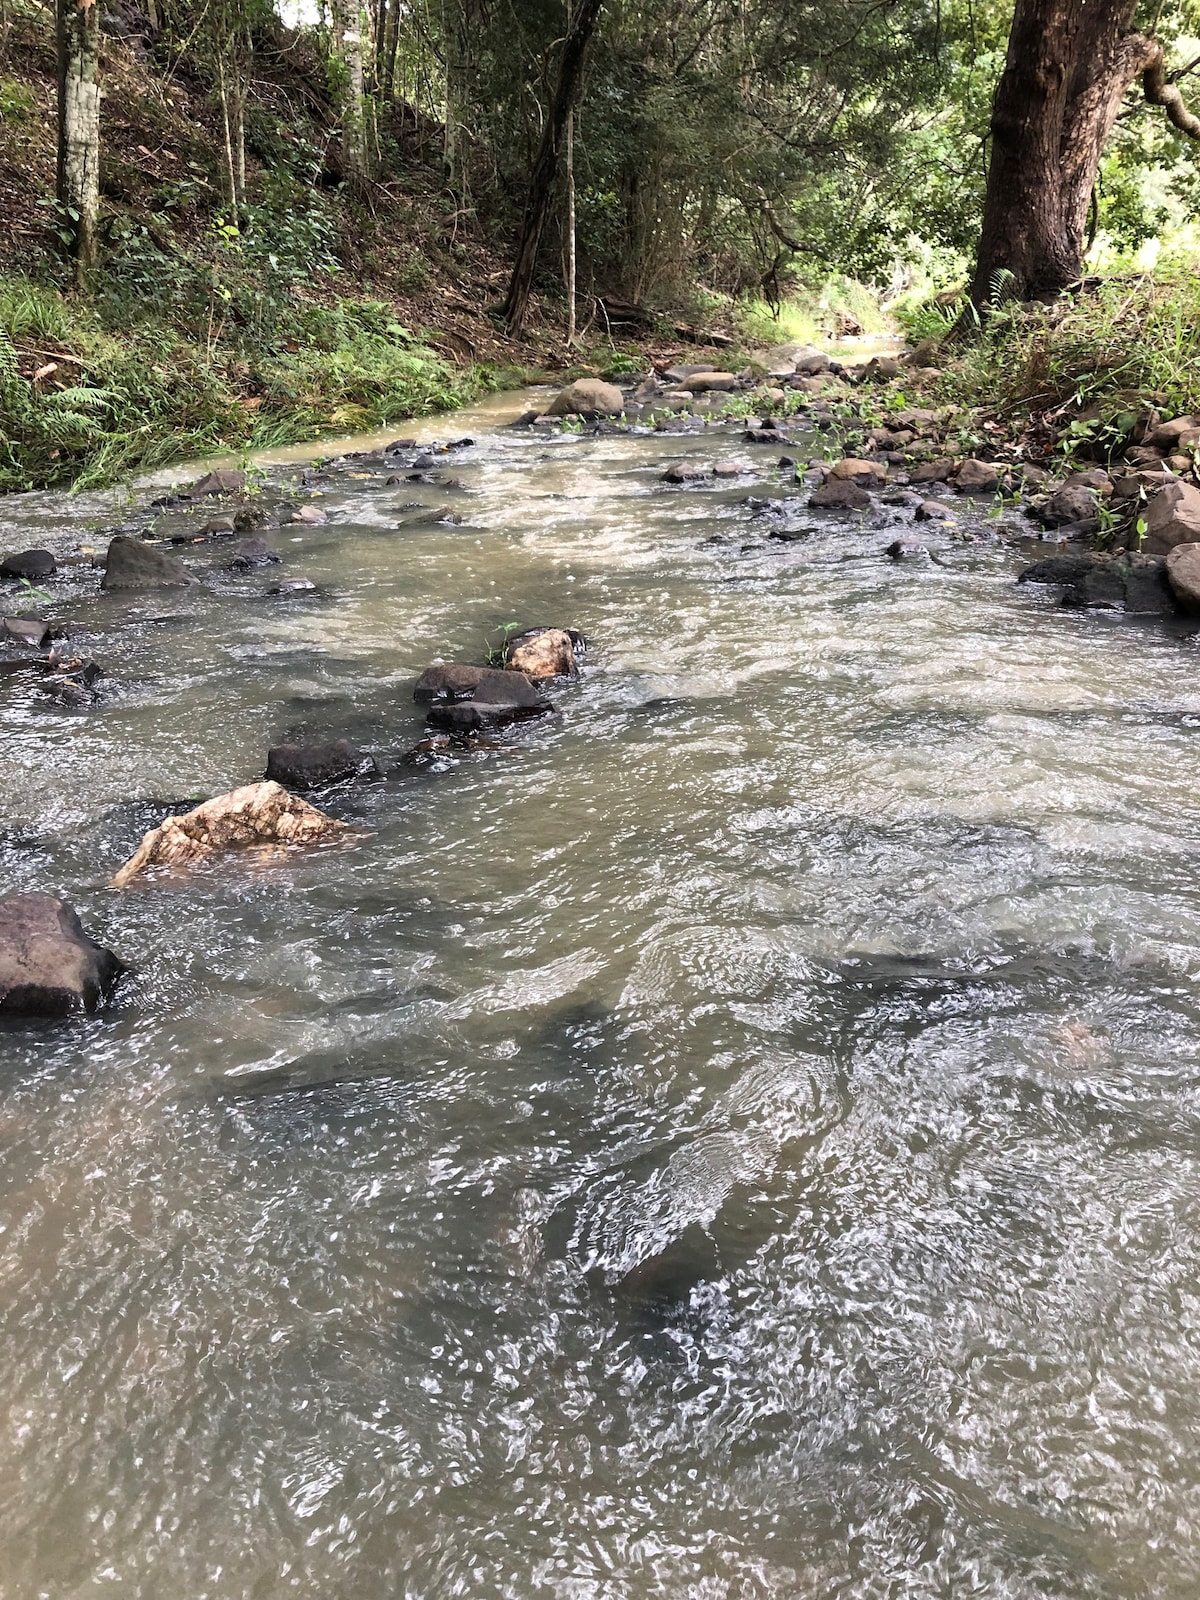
[
  {"x": 1069, "y": 64},
  {"x": 78, "y": 185},
  {"x": 580, "y": 27}
]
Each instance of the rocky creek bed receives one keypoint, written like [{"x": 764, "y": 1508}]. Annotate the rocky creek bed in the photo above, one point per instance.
[{"x": 708, "y": 1108}]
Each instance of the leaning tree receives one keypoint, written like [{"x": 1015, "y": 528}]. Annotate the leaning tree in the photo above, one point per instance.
[{"x": 1069, "y": 66}]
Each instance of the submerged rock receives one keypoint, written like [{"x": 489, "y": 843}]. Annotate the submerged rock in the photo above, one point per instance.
[
  {"x": 131, "y": 564},
  {"x": 1136, "y": 584},
  {"x": 30, "y": 565},
  {"x": 228, "y": 480},
  {"x": 249, "y": 553},
  {"x": 34, "y": 633},
  {"x": 317, "y": 766},
  {"x": 256, "y": 814},
  {"x": 49, "y": 966}
]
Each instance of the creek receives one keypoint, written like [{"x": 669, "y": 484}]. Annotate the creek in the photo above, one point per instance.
[{"x": 740, "y": 1137}]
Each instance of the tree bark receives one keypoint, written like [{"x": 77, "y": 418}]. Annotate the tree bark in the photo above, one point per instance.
[
  {"x": 542, "y": 180},
  {"x": 78, "y": 182},
  {"x": 351, "y": 23},
  {"x": 1068, "y": 67}
]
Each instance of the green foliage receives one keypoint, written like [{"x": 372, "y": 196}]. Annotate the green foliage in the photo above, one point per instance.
[
  {"x": 1101, "y": 354},
  {"x": 154, "y": 395}
]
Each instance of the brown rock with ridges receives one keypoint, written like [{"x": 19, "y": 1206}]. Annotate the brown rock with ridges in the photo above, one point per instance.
[{"x": 255, "y": 814}]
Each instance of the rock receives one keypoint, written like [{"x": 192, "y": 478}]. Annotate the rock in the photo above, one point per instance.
[
  {"x": 765, "y": 435},
  {"x": 49, "y": 967},
  {"x": 737, "y": 469},
  {"x": 684, "y": 472},
  {"x": 856, "y": 470},
  {"x": 462, "y": 699},
  {"x": 35, "y": 633},
  {"x": 316, "y": 766},
  {"x": 293, "y": 586},
  {"x": 31, "y": 565},
  {"x": 881, "y": 369},
  {"x": 130, "y": 564},
  {"x": 977, "y": 477},
  {"x": 226, "y": 481},
  {"x": 905, "y": 550},
  {"x": 587, "y": 397},
  {"x": 1094, "y": 478},
  {"x": 1136, "y": 584},
  {"x": 933, "y": 511},
  {"x": 706, "y": 382},
  {"x": 1071, "y": 503},
  {"x": 248, "y": 553},
  {"x": 1175, "y": 435},
  {"x": 313, "y": 516},
  {"x": 256, "y": 814},
  {"x": 840, "y": 493},
  {"x": 1183, "y": 574},
  {"x": 216, "y": 528},
  {"x": 1129, "y": 485},
  {"x": 1172, "y": 518},
  {"x": 939, "y": 471},
  {"x": 544, "y": 653}
]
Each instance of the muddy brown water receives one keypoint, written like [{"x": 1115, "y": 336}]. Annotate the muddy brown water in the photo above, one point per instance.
[{"x": 740, "y": 1139}]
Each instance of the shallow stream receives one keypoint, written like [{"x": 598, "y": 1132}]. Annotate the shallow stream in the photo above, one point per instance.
[{"x": 739, "y": 1139}]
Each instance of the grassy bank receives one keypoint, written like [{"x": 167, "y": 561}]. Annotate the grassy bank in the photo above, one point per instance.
[
  {"x": 1083, "y": 363},
  {"x": 84, "y": 403}
]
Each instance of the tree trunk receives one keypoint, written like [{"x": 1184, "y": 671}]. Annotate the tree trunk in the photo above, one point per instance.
[
  {"x": 1069, "y": 65},
  {"x": 545, "y": 168},
  {"x": 571, "y": 261},
  {"x": 78, "y": 185},
  {"x": 350, "y": 24}
]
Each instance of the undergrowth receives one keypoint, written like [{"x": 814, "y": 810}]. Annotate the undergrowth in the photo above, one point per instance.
[
  {"x": 1129, "y": 339},
  {"x": 84, "y": 405}
]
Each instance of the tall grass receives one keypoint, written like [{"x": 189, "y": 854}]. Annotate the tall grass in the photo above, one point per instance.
[
  {"x": 1133, "y": 337},
  {"x": 118, "y": 403}
]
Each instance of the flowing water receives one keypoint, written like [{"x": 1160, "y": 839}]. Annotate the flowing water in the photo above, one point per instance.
[{"x": 741, "y": 1138}]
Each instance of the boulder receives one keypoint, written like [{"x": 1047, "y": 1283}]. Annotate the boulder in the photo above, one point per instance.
[
  {"x": 256, "y": 814},
  {"x": 706, "y": 382},
  {"x": 977, "y": 477},
  {"x": 1172, "y": 517},
  {"x": 587, "y": 397},
  {"x": 31, "y": 565},
  {"x": 544, "y": 653},
  {"x": 49, "y": 967},
  {"x": 131, "y": 564},
  {"x": 684, "y": 472},
  {"x": 1183, "y": 574},
  {"x": 856, "y": 470},
  {"x": 841, "y": 493},
  {"x": 248, "y": 553},
  {"x": 316, "y": 766},
  {"x": 463, "y": 699}
]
